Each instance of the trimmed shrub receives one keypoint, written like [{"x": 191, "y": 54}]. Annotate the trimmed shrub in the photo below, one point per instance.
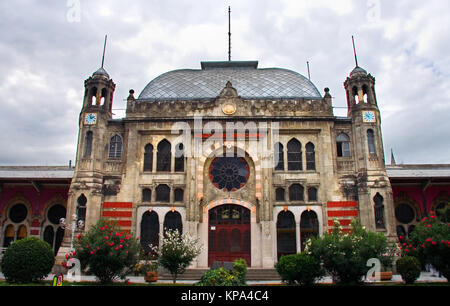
[
  {"x": 27, "y": 260},
  {"x": 409, "y": 268},
  {"x": 302, "y": 269}
]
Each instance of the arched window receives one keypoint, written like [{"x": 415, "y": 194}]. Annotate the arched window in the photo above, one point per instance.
[
  {"x": 312, "y": 194},
  {"x": 162, "y": 193},
  {"x": 343, "y": 145},
  {"x": 115, "y": 147},
  {"x": 172, "y": 221},
  {"x": 22, "y": 232},
  {"x": 148, "y": 157},
  {"x": 406, "y": 218},
  {"x": 365, "y": 90},
  {"x": 278, "y": 157},
  {"x": 103, "y": 98},
  {"x": 18, "y": 213},
  {"x": 81, "y": 208},
  {"x": 294, "y": 155},
  {"x": 149, "y": 230},
  {"x": 178, "y": 195},
  {"x": 379, "y": 211},
  {"x": 286, "y": 241},
  {"x": 296, "y": 192},
  {"x": 309, "y": 227},
  {"x": 88, "y": 144},
  {"x": 163, "y": 156},
  {"x": 53, "y": 232},
  {"x": 310, "y": 156},
  {"x": 8, "y": 236},
  {"x": 146, "y": 195},
  {"x": 355, "y": 94},
  {"x": 93, "y": 96},
  {"x": 179, "y": 158},
  {"x": 279, "y": 194},
  {"x": 371, "y": 141}
]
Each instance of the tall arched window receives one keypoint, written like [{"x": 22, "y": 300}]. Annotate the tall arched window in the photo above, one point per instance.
[
  {"x": 9, "y": 235},
  {"x": 294, "y": 155},
  {"x": 148, "y": 157},
  {"x": 278, "y": 157},
  {"x": 179, "y": 158},
  {"x": 162, "y": 193},
  {"x": 296, "y": 192},
  {"x": 343, "y": 145},
  {"x": 18, "y": 214},
  {"x": 309, "y": 227},
  {"x": 286, "y": 241},
  {"x": 88, "y": 144},
  {"x": 310, "y": 156},
  {"x": 53, "y": 232},
  {"x": 371, "y": 141},
  {"x": 172, "y": 221},
  {"x": 115, "y": 147},
  {"x": 163, "y": 156},
  {"x": 379, "y": 211},
  {"x": 81, "y": 208},
  {"x": 149, "y": 230},
  {"x": 146, "y": 195}
]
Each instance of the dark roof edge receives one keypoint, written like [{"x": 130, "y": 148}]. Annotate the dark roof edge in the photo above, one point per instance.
[{"x": 229, "y": 64}]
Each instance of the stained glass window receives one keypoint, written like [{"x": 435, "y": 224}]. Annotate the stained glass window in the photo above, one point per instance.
[{"x": 229, "y": 173}]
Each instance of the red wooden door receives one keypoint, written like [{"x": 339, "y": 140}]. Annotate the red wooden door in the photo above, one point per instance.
[{"x": 229, "y": 234}]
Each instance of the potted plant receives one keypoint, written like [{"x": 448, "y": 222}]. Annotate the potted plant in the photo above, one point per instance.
[{"x": 151, "y": 274}]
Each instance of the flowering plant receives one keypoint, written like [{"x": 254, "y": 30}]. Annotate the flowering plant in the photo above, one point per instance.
[
  {"x": 176, "y": 252},
  {"x": 106, "y": 251},
  {"x": 430, "y": 243}
]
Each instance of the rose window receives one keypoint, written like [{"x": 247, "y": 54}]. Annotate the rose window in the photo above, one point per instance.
[{"x": 229, "y": 173}]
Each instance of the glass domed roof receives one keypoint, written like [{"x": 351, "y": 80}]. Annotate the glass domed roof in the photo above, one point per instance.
[{"x": 249, "y": 81}]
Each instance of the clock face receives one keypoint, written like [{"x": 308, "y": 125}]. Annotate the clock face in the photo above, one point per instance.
[
  {"x": 90, "y": 118},
  {"x": 368, "y": 116}
]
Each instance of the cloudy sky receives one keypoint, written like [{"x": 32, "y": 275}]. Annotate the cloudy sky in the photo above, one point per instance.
[{"x": 48, "y": 49}]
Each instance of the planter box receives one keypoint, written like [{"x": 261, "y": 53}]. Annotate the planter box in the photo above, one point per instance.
[{"x": 151, "y": 277}]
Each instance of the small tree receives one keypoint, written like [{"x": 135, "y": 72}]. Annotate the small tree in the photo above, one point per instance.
[
  {"x": 107, "y": 252},
  {"x": 176, "y": 252},
  {"x": 302, "y": 268}
]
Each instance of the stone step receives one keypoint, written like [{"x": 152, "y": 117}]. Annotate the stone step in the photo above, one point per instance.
[{"x": 196, "y": 274}]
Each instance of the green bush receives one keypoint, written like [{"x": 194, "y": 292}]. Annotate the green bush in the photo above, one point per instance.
[
  {"x": 218, "y": 277},
  {"x": 409, "y": 268},
  {"x": 300, "y": 268},
  {"x": 223, "y": 277},
  {"x": 345, "y": 255},
  {"x": 240, "y": 270},
  {"x": 27, "y": 260},
  {"x": 107, "y": 252}
]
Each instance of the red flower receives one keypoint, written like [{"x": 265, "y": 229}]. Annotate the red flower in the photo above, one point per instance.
[
  {"x": 428, "y": 240},
  {"x": 433, "y": 243},
  {"x": 429, "y": 225},
  {"x": 79, "y": 236}
]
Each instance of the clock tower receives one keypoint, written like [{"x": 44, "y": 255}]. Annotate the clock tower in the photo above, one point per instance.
[{"x": 374, "y": 189}]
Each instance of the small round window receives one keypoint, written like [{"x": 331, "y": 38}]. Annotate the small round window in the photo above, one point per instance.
[
  {"x": 55, "y": 213},
  {"x": 18, "y": 213},
  {"x": 404, "y": 213},
  {"x": 229, "y": 173}
]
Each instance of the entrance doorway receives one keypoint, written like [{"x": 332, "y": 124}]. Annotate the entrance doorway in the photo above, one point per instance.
[{"x": 229, "y": 234}]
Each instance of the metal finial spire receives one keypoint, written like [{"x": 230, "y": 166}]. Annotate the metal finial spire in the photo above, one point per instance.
[
  {"x": 104, "y": 49},
  {"x": 309, "y": 74},
  {"x": 229, "y": 33},
  {"x": 354, "y": 51}
]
